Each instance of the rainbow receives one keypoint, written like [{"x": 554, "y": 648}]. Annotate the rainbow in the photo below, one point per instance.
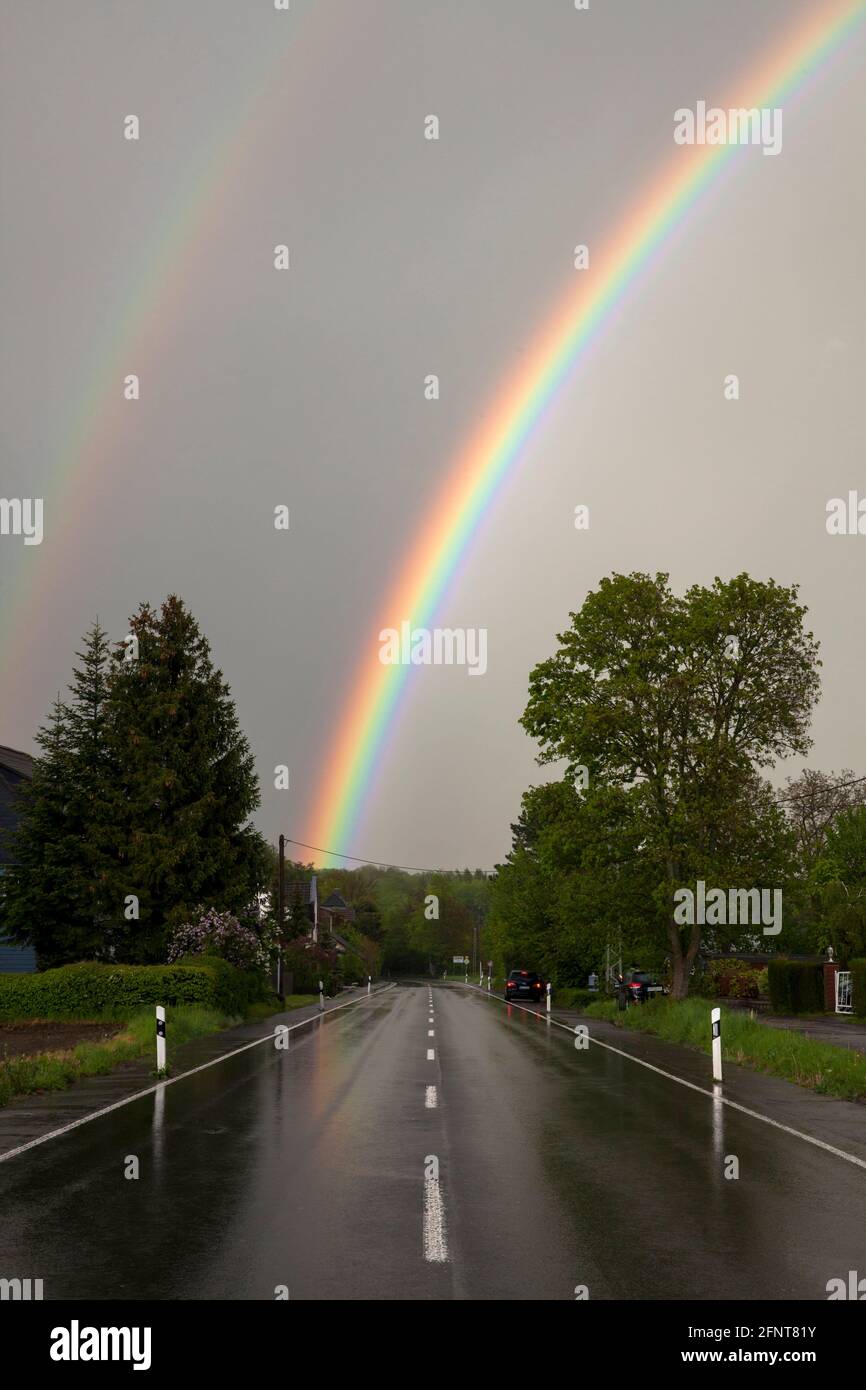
[
  {"x": 169, "y": 264},
  {"x": 441, "y": 545}
]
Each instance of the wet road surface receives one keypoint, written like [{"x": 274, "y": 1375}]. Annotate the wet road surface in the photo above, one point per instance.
[{"x": 315, "y": 1169}]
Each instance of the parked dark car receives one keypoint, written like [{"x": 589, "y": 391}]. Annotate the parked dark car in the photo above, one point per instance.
[
  {"x": 524, "y": 984},
  {"x": 640, "y": 985}
]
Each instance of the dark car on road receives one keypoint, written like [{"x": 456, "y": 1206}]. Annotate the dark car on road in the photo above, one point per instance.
[
  {"x": 641, "y": 985},
  {"x": 524, "y": 984}
]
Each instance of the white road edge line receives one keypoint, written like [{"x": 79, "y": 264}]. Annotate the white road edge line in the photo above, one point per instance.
[
  {"x": 170, "y": 1081},
  {"x": 435, "y": 1245},
  {"x": 692, "y": 1086}
]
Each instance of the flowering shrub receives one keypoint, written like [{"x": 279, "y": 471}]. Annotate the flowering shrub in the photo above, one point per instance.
[
  {"x": 734, "y": 979},
  {"x": 219, "y": 934}
]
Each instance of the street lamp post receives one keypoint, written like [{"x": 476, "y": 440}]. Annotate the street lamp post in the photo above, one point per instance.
[{"x": 281, "y": 907}]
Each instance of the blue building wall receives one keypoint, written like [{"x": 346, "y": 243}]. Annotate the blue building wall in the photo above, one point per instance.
[{"x": 16, "y": 960}]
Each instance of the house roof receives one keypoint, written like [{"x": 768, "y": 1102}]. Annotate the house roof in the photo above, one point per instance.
[
  {"x": 335, "y": 900},
  {"x": 303, "y": 891},
  {"x": 15, "y": 768},
  {"x": 19, "y": 763}
]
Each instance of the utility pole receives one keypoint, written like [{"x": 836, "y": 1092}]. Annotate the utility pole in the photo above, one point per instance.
[{"x": 281, "y": 906}]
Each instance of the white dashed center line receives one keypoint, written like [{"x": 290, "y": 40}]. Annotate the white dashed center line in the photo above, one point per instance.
[
  {"x": 430, "y": 1054},
  {"x": 435, "y": 1246},
  {"x": 430, "y": 1100}
]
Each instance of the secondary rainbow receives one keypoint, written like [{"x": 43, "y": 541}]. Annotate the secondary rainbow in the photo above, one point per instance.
[
  {"x": 443, "y": 541},
  {"x": 168, "y": 266}
]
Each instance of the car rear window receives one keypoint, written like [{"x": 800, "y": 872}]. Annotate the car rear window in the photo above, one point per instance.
[{"x": 530, "y": 976}]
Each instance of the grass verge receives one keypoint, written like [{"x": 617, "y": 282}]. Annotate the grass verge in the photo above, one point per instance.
[
  {"x": 834, "y": 1071},
  {"x": 53, "y": 1071}
]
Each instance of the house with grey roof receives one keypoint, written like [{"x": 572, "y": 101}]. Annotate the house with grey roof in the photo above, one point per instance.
[{"x": 15, "y": 769}]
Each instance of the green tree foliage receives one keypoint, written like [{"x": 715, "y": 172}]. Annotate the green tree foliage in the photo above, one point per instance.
[
  {"x": 297, "y": 914},
  {"x": 367, "y": 919},
  {"x": 813, "y": 803},
  {"x": 677, "y": 704},
  {"x": 573, "y": 893},
  {"x": 55, "y": 892},
  {"x": 395, "y": 928},
  {"x": 144, "y": 789},
  {"x": 841, "y": 875},
  {"x": 180, "y": 810},
  {"x": 845, "y": 853}
]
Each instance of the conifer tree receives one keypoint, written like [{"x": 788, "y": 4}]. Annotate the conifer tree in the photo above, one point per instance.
[
  {"x": 53, "y": 892},
  {"x": 185, "y": 786}
]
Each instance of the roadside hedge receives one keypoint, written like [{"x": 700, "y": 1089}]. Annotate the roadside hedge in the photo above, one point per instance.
[
  {"x": 89, "y": 989},
  {"x": 352, "y": 968},
  {"x": 858, "y": 985},
  {"x": 564, "y": 997},
  {"x": 309, "y": 964},
  {"x": 733, "y": 979},
  {"x": 796, "y": 987}
]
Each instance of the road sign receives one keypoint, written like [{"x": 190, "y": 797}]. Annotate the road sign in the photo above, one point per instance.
[{"x": 458, "y": 960}]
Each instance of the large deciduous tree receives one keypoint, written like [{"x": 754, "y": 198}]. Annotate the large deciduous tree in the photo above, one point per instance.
[{"x": 679, "y": 703}]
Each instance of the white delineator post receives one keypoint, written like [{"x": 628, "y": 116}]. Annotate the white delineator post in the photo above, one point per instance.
[
  {"x": 160, "y": 1038},
  {"x": 488, "y": 982},
  {"x": 548, "y": 996},
  {"x": 321, "y": 994},
  {"x": 716, "y": 1020},
  {"x": 369, "y": 983}
]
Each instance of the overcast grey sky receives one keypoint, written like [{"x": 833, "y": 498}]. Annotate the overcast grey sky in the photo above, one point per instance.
[{"x": 410, "y": 257}]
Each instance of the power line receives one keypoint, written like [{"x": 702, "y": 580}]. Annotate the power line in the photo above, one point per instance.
[
  {"x": 415, "y": 869},
  {"x": 805, "y": 792},
  {"x": 373, "y": 863}
]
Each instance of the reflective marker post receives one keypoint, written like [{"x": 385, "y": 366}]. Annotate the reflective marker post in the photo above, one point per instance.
[
  {"x": 160, "y": 1038},
  {"x": 369, "y": 983},
  {"x": 321, "y": 995},
  {"x": 548, "y": 999},
  {"x": 716, "y": 1020}
]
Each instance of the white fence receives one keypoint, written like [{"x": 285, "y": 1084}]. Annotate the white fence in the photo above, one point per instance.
[{"x": 843, "y": 992}]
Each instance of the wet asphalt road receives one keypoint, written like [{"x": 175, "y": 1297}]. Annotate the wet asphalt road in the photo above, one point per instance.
[{"x": 306, "y": 1168}]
